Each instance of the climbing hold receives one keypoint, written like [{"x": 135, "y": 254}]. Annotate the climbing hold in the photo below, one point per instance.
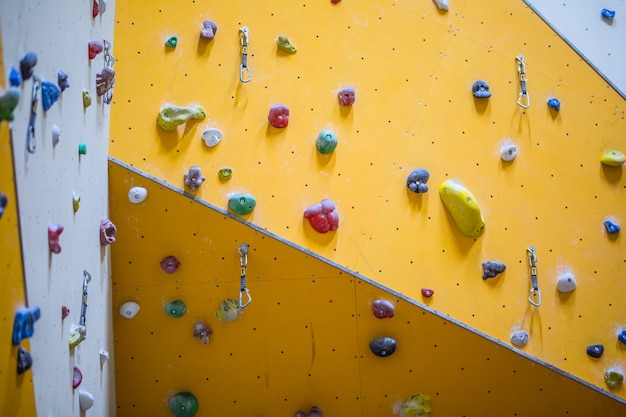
[
  {"x": 54, "y": 231},
  {"x": 26, "y": 65},
  {"x": 107, "y": 232},
  {"x": 95, "y": 47},
  {"x": 608, "y": 14},
  {"x": 611, "y": 227},
  {"x": 613, "y": 377},
  {"x": 129, "y": 309},
  {"x": 104, "y": 356},
  {"x": 24, "y": 360},
  {"x": 554, "y": 104},
  {"x": 4, "y": 200},
  {"x": 170, "y": 264},
  {"x": 194, "y": 177},
  {"x": 105, "y": 80},
  {"x": 225, "y": 173},
  {"x": 24, "y": 323},
  {"x": 427, "y": 292},
  {"x": 171, "y": 116},
  {"x": 335, "y": 1},
  {"x": 137, "y": 195},
  {"x": 8, "y": 103},
  {"x": 85, "y": 400},
  {"x": 62, "y": 80},
  {"x": 383, "y": 309},
  {"x": 595, "y": 351},
  {"x": 202, "y": 332},
  {"x": 284, "y": 44},
  {"x": 227, "y": 311},
  {"x": 15, "y": 78},
  {"x": 442, "y": 4},
  {"x": 418, "y": 405},
  {"x": 417, "y": 179},
  {"x": 50, "y": 93},
  {"x": 77, "y": 335},
  {"x": 323, "y": 216},
  {"x": 383, "y": 346},
  {"x": 95, "y": 9},
  {"x": 171, "y": 42},
  {"x": 491, "y": 269},
  {"x": 346, "y": 96},
  {"x": 621, "y": 336},
  {"x": 326, "y": 142},
  {"x": 75, "y": 201},
  {"x": 86, "y": 99},
  {"x": 463, "y": 207},
  {"x": 613, "y": 158},
  {"x": 209, "y": 29},
  {"x": 480, "y": 89},
  {"x": 103, "y": 6},
  {"x": 176, "y": 309},
  {"x": 212, "y": 137},
  {"x": 82, "y": 148},
  {"x": 242, "y": 203},
  {"x": 56, "y": 135},
  {"x": 65, "y": 311},
  {"x": 77, "y": 378},
  {"x": 520, "y": 338},
  {"x": 313, "y": 412},
  {"x": 278, "y": 116},
  {"x": 184, "y": 404},
  {"x": 508, "y": 151},
  {"x": 566, "y": 282}
]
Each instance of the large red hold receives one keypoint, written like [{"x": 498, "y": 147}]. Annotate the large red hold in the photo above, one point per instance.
[
  {"x": 323, "y": 216},
  {"x": 278, "y": 116},
  {"x": 383, "y": 309}
]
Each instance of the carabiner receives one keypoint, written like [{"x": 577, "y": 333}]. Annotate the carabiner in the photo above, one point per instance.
[
  {"x": 30, "y": 130},
  {"x": 535, "y": 294},
  {"x": 244, "y": 72},
  {"x": 83, "y": 310},
  {"x": 243, "y": 261},
  {"x": 523, "y": 99}
]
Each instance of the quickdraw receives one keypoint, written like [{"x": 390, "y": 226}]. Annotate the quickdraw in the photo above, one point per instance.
[
  {"x": 244, "y": 72},
  {"x": 243, "y": 261},
  {"x": 535, "y": 294},
  {"x": 83, "y": 310},
  {"x": 30, "y": 133},
  {"x": 524, "y": 98}
]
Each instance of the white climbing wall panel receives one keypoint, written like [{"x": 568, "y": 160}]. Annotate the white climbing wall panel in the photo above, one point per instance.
[{"x": 600, "y": 41}]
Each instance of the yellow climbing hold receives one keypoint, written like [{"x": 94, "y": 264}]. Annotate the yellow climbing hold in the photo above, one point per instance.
[
  {"x": 171, "y": 116},
  {"x": 463, "y": 207},
  {"x": 613, "y": 158},
  {"x": 228, "y": 311},
  {"x": 416, "y": 406}
]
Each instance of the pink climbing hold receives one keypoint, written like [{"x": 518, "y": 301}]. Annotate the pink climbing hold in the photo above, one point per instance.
[
  {"x": 202, "y": 332},
  {"x": 107, "y": 232},
  {"x": 209, "y": 29},
  {"x": 170, "y": 264},
  {"x": 95, "y": 10},
  {"x": 383, "y": 309},
  {"x": 105, "y": 80},
  {"x": 54, "y": 231},
  {"x": 278, "y": 116},
  {"x": 77, "y": 378},
  {"x": 95, "y": 47},
  {"x": 323, "y": 216},
  {"x": 427, "y": 292},
  {"x": 346, "y": 96}
]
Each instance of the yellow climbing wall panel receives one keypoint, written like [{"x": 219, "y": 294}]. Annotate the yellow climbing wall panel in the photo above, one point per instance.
[
  {"x": 16, "y": 391},
  {"x": 304, "y": 338},
  {"x": 413, "y": 67}
]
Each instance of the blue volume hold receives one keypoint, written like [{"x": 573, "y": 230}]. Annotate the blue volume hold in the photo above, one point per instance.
[
  {"x": 608, "y": 14},
  {"x": 611, "y": 227},
  {"x": 554, "y": 104}
]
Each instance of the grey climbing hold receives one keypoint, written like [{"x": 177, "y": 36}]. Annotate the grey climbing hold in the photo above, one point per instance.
[
  {"x": 520, "y": 338},
  {"x": 62, "y": 80},
  {"x": 24, "y": 360},
  {"x": 480, "y": 89},
  {"x": 85, "y": 400},
  {"x": 508, "y": 151},
  {"x": 566, "y": 282},
  {"x": 383, "y": 346},
  {"x": 491, "y": 269},
  {"x": 595, "y": 351},
  {"x": 26, "y": 65},
  {"x": 416, "y": 181}
]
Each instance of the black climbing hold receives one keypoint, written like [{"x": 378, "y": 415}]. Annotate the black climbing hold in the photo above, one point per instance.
[
  {"x": 24, "y": 360},
  {"x": 595, "y": 351},
  {"x": 491, "y": 269},
  {"x": 383, "y": 346}
]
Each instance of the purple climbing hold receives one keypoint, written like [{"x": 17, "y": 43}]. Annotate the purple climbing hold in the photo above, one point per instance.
[
  {"x": 26, "y": 65},
  {"x": 202, "y": 332},
  {"x": 50, "y": 93},
  {"x": 209, "y": 29},
  {"x": 170, "y": 264},
  {"x": 15, "y": 78},
  {"x": 62, "y": 80}
]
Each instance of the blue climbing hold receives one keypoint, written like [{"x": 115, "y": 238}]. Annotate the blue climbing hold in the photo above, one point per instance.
[
  {"x": 608, "y": 14},
  {"x": 15, "y": 78},
  {"x": 50, "y": 93},
  {"x": 611, "y": 227},
  {"x": 622, "y": 336},
  {"x": 23, "y": 325},
  {"x": 554, "y": 104}
]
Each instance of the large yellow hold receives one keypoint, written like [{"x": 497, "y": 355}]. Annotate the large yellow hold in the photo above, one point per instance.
[
  {"x": 463, "y": 207},
  {"x": 418, "y": 405}
]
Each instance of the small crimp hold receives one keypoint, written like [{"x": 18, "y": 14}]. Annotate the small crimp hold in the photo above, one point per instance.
[
  {"x": 62, "y": 80},
  {"x": 171, "y": 42},
  {"x": 566, "y": 282},
  {"x": 323, "y": 216},
  {"x": 283, "y": 43},
  {"x": 595, "y": 351},
  {"x": 86, "y": 99},
  {"x": 171, "y": 116},
  {"x": 225, "y": 174},
  {"x": 8, "y": 103},
  {"x": 54, "y": 231},
  {"x": 194, "y": 177},
  {"x": 95, "y": 47},
  {"x": 75, "y": 201},
  {"x": 209, "y": 29},
  {"x": 95, "y": 9},
  {"x": 65, "y": 311},
  {"x": 613, "y": 158},
  {"x": 417, "y": 179},
  {"x": 202, "y": 332},
  {"x": 383, "y": 309},
  {"x": 326, "y": 142},
  {"x": 613, "y": 377},
  {"x": 170, "y": 264},
  {"x": 554, "y": 104},
  {"x": 104, "y": 356},
  {"x": 520, "y": 338},
  {"x": 50, "y": 93},
  {"x": 608, "y": 14},
  {"x": 82, "y": 149},
  {"x": 427, "y": 292},
  {"x": 491, "y": 269},
  {"x": 26, "y": 65},
  {"x": 611, "y": 227},
  {"x": 346, "y": 96},
  {"x": 15, "y": 78},
  {"x": 242, "y": 203},
  {"x": 480, "y": 89},
  {"x": 383, "y": 346},
  {"x": 313, "y": 411},
  {"x": 278, "y": 116},
  {"x": 107, "y": 232}
]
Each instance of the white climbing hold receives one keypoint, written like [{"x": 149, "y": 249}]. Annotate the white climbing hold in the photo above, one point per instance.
[
  {"x": 442, "y": 4},
  {"x": 519, "y": 338},
  {"x": 137, "y": 194},
  {"x": 212, "y": 137},
  {"x": 566, "y": 282},
  {"x": 104, "y": 356},
  {"x": 129, "y": 309},
  {"x": 85, "y": 400},
  {"x": 508, "y": 151},
  {"x": 56, "y": 135}
]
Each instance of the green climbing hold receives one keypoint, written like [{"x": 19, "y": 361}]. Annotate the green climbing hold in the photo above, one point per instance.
[
  {"x": 326, "y": 142},
  {"x": 176, "y": 309},
  {"x": 242, "y": 203},
  {"x": 283, "y": 43},
  {"x": 225, "y": 173},
  {"x": 82, "y": 149},
  {"x": 8, "y": 103},
  {"x": 172, "y": 41},
  {"x": 184, "y": 404},
  {"x": 613, "y": 377}
]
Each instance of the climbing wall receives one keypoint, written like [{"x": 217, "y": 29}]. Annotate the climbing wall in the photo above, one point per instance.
[
  {"x": 17, "y": 396},
  {"x": 304, "y": 338},
  {"x": 413, "y": 67}
]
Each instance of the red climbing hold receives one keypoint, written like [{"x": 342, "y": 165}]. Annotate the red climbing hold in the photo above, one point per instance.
[
  {"x": 383, "y": 309},
  {"x": 95, "y": 10},
  {"x": 53, "y": 238},
  {"x": 323, "y": 216},
  {"x": 65, "y": 311},
  {"x": 278, "y": 116},
  {"x": 95, "y": 47},
  {"x": 170, "y": 264},
  {"x": 427, "y": 292}
]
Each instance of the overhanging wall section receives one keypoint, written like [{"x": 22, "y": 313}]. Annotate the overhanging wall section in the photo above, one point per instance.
[{"x": 304, "y": 338}]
